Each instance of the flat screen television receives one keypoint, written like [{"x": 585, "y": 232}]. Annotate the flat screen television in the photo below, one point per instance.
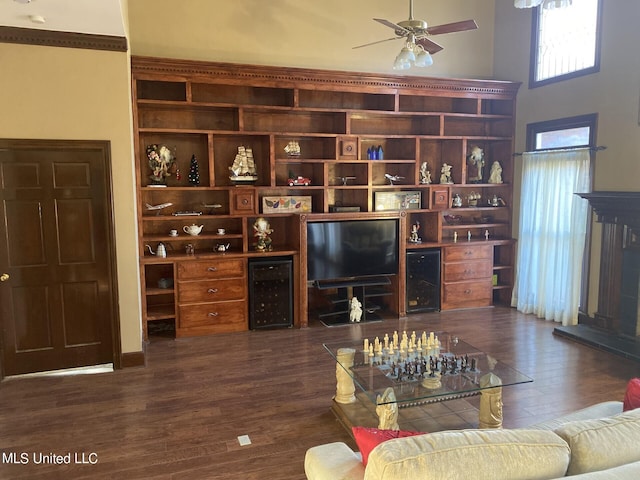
[{"x": 346, "y": 249}]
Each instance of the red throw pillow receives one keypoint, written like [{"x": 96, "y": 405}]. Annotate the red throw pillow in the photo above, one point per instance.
[
  {"x": 632, "y": 395},
  {"x": 369, "y": 438}
]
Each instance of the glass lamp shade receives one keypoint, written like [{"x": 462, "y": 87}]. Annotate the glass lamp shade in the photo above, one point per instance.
[
  {"x": 401, "y": 64},
  {"x": 423, "y": 59},
  {"x": 526, "y": 3},
  {"x": 407, "y": 55}
]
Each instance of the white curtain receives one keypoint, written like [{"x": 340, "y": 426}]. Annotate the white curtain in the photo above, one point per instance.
[{"x": 552, "y": 234}]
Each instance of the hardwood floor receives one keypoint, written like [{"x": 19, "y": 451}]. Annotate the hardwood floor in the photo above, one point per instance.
[{"x": 179, "y": 417}]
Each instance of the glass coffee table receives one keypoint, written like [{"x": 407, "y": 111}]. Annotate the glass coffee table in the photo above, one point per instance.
[{"x": 419, "y": 371}]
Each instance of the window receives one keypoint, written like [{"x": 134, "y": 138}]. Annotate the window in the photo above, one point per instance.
[
  {"x": 572, "y": 132},
  {"x": 562, "y": 133},
  {"x": 565, "y": 42}
]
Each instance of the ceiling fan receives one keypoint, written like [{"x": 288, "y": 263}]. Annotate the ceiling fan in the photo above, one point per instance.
[{"x": 419, "y": 46}]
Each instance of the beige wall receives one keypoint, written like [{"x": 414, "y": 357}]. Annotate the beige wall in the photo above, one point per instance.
[
  {"x": 64, "y": 93},
  {"x": 613, "y": 93},
  {"x": 305, "y": 33}
]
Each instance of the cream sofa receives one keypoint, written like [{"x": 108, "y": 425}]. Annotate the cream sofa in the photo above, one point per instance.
[{"x": 598, "y": 442}]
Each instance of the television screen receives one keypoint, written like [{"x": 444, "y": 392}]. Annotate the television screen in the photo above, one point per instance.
[{"x": 352, "y": 248}]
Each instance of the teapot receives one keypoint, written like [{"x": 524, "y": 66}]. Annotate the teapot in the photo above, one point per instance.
[
  {"x": 160, "y": 252},
  {"x": 221, "y": 247},
  {"x": 193, "y": 229},
  {"x": 495, "y": 201}
]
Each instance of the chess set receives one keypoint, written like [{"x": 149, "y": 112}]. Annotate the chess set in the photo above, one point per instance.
[{"x": 412, "y": 359}]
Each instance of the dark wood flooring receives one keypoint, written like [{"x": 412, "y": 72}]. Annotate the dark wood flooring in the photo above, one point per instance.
[{"x": 180, "y": 416}]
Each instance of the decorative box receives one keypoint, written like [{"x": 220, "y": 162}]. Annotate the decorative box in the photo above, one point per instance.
[
  {"x": 286, "y": 204},
  {"x": 397, "y": 200}
]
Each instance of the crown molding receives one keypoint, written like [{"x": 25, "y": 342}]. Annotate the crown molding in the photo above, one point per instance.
[{"x": 50, "y": 38}]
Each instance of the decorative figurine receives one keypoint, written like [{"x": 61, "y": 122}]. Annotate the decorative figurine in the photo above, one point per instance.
[
  {"x": 355, "y": 310},
  {"x": 456, "y": 201},
  {"x": 161, "y": 159},
  {"x": 414, "y": 238},
  {"x": 495, "y": 175},
  {"x": 475, "y": 165},
  {"x": 445, "y": 174},
  {"x": 262, "y": 230},
  {"x": 425, "y": 174}
]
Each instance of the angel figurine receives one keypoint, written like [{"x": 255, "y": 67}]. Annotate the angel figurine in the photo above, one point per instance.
[
  {"x": 262, "y": 230},
  {"x": 160, "y": 161}
]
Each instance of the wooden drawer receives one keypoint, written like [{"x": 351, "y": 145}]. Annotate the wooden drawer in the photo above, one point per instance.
[
  {"x": 455, "y": 272},
  {"x": 214, "y": 268},
  {"x": 211, "y": 290},
  {"x": 467, "y": 252},
  {"x": 467, "y": 294},
  {"x": 214, "y": 317}
]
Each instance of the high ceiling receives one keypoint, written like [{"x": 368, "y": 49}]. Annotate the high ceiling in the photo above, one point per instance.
[{"x": 100, "y": 17}]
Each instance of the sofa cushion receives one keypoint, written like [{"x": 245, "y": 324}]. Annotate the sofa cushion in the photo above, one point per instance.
[
  {"x": 333, "y": 461},
  {"x": 471, "y": 454},
  {"x": 599, "y": 410},
  {"x": 632, "y": 395},
  {"x": 369, "y": 438},
  {"x": 602, "y": 443}
]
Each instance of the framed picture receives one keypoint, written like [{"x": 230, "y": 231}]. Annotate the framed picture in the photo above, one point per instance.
[{"x": 286, "y": 204}]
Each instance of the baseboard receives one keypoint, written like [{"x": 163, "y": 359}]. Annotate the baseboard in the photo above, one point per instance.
[{"x": 133, "y": 359}]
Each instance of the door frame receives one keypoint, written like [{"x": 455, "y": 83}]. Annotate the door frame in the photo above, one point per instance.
[{"x": 104, "y": 146}]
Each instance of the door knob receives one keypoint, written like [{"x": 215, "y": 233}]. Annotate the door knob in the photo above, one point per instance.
[{"x": 4, "y": 277}]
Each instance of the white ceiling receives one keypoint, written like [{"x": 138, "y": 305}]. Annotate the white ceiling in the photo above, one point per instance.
[{"x": 100, "y": 17}]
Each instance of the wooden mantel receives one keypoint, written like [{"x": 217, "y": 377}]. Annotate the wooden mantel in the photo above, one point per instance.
[
  {"x": 619, "y": 212},
  {"x": 616, "y": 207}
]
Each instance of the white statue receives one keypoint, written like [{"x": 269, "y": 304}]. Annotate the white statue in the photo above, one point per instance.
[
  {"x": 355, "y": 310},
  {"x": 475, "y": 165},
  {"x": 425, "y": 174},
  {"x": 445, "y": 176},
  {"x": 495, "y": 175},
  {"x": 387, "y": 410}
]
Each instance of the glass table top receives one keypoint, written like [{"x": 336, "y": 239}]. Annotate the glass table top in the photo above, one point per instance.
[{"x": 427, "y": 373}]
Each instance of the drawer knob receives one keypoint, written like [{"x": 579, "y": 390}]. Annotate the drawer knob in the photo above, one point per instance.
[
  {"x": 467, "y": 291},
  {"x": 212, "y": 290},
  {"x": 213, "y": 314},
  {"x": 211, "y": 269}
]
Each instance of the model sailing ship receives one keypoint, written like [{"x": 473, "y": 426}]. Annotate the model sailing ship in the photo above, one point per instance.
[
  {"x": 292, "y": 149},
  {"x": 243, "y": 170}
]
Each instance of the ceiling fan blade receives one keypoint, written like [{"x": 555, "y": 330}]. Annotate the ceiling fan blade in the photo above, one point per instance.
[
  {"x": 389, "y": 24},
  {"x": 379, "y": 41},
  {"x": 429, "y": 45},
  {"x": 453, "y": 27}
]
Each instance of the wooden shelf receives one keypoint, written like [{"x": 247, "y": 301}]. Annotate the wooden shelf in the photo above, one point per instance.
[{"x": 207, "y": 110}]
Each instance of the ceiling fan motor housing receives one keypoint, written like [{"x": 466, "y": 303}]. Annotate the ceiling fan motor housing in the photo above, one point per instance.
[{"x": 416, "y": 26}]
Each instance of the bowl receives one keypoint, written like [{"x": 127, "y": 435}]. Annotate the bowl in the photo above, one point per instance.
[{"x": 453, "y": 219}]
